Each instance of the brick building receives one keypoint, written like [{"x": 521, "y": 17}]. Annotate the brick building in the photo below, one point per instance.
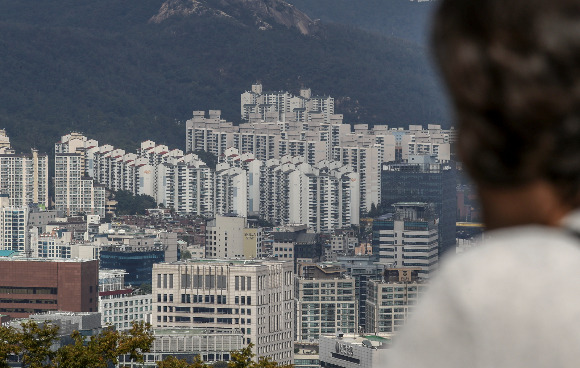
[{"x": 29, "y": 286}]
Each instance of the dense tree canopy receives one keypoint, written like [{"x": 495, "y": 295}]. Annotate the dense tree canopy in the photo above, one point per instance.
[
  {"x": 129, "y": 204},
  {"x": 34, "y": 343}
]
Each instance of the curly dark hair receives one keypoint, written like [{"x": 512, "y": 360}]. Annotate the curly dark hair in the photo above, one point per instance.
[{"x": 513, "y": 70}]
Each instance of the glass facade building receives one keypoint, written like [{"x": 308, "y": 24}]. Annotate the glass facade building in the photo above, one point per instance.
[
  {"x": 424, "y": 182},
  {"x": 139, "y": 265}
]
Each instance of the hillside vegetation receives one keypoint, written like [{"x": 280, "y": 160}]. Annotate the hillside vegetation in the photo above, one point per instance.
[{"x": 105, "y": 69}]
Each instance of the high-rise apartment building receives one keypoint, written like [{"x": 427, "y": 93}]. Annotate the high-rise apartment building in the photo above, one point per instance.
[
  {"x": 432, "y": 141},
  {"x": 24, "y": 178},
  {"x": 185, "y": 184},
  {"x": 282, "y": 106},
  {"x": 75, "y": 193},
  {"x": 325, "y": 197},
  {"x": 13, "y": 227},
  {"x": 254, "y": 297}
]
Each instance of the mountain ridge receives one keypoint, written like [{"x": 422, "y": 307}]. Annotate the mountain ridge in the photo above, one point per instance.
[{"x": 261, "y": 10}]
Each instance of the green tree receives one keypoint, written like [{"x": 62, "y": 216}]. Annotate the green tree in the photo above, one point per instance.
[
  {"x": 185, "y": 254},
  {"x": 145, "y": 288},
  {"x": 173, "y": 362},
  {"x": 8, "y": 345},
  {"x": 105, "y": 348},
  {"x": 35, "y": 342},
  {"x": 244, "y": 359},
  {"x": 129, "y": 204},
  {"x": 209, "y": 158}
]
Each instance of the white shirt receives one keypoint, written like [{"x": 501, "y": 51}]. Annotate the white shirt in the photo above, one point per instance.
[{"x": 512, "y": 302}]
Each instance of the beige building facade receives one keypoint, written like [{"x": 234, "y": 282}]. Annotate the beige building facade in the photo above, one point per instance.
[{"x": 254, "y": 297}]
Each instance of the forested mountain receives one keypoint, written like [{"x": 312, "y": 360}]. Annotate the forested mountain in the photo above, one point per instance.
[{"x": 127, "y": 70}]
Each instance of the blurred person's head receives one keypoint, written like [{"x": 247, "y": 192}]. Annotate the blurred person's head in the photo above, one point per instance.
[{"x": 513, "y": 70}]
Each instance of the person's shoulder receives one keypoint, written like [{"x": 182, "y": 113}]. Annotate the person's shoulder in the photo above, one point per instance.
[
  {"x": 523, "y": 244},
  {"x": 521, "y": 252}
]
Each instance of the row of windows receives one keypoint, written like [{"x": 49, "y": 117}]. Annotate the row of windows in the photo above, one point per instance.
[
  {"x": 126, "y": 303},
  {"x": 29, "y": 301},
  {"x": 27, "y": 290},
  {"x": 308, "y": 285}
]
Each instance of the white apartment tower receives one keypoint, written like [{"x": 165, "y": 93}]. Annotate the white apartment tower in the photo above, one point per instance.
[
  {"x": 74, "y": 193},
  {"x": 282, "y": 106},
  {"x": 13, "y": 227},
  {"x": 254, "y": 297},
  {"x": 24, "y": 178}
]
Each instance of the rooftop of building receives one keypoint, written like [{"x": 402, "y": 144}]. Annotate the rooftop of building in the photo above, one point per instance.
[
  {"x": 306, "y": 238},
  {"x": 8, "y": 253},
  {"x": 230, "y": 262},
  {"x": 195, "y": 331},
  {"x": 55, "y": 260},
  {"x": 370, "y": 341}
]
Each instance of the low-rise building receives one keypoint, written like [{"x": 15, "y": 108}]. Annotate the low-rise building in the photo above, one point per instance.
[
  {"x": 122, "y": 305},
  {"x": 210, "y": 344},
  {"x": 351, "y": 351}
]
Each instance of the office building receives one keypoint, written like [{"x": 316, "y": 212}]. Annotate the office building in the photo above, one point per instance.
[
  {"x": 408, "y": 238},
  {"x": 362, "y": 269},
  {"x": 298, "y": 246},
  {"x": 137, "y": 261},
  {"x": 251, "y": 296},
  {"x": 232, "y": 237},
  {"x": 29, "y": 286},
  {"x": 392, "y": 299},
  {"x": 424, "y": 180},
  {"x": 325, "y": 304},
  {"x": 306, "y": 355}
]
